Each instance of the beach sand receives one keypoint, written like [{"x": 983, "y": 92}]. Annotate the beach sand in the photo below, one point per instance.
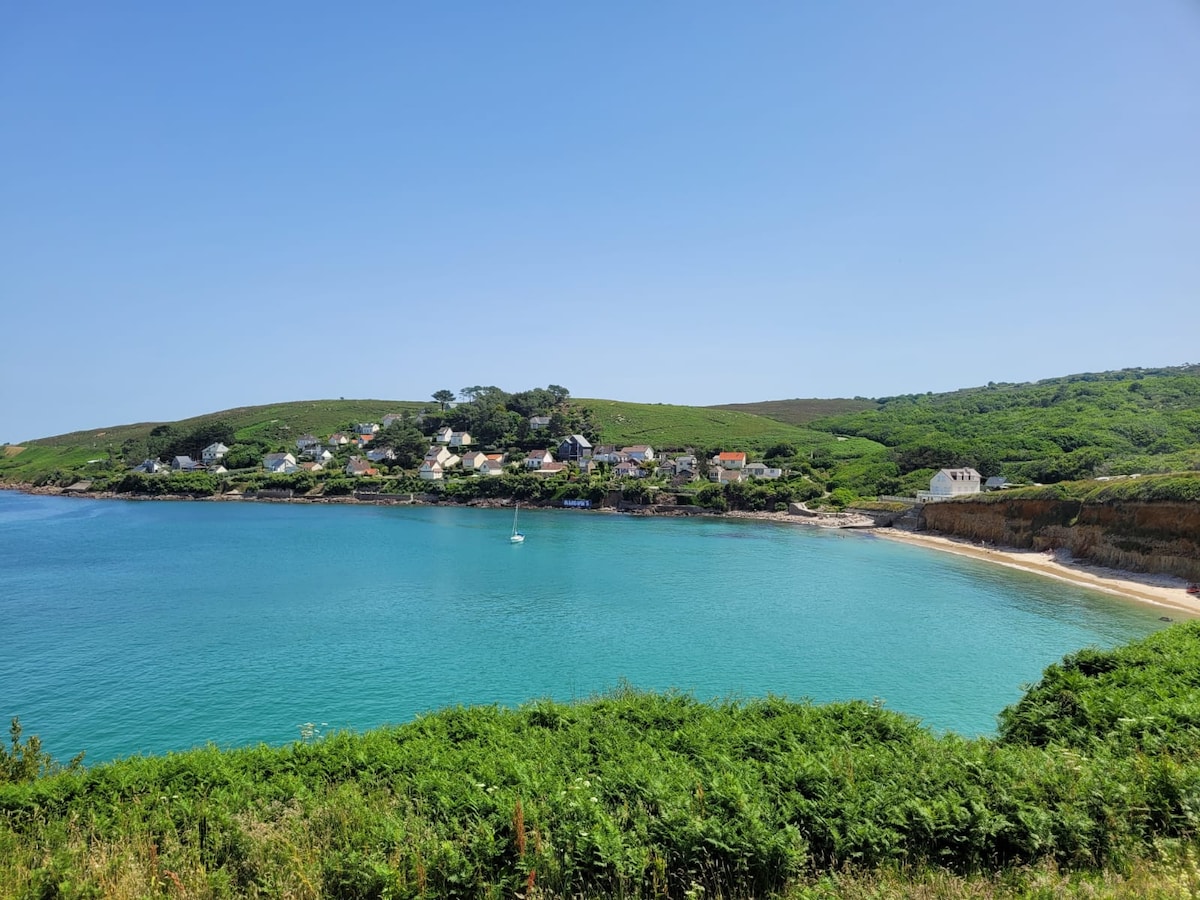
[{"x": 1161, "y": 590}]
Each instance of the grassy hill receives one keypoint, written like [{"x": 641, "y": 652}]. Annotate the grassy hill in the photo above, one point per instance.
[
  {"x": 1060, "y": 429},
  {"x": 1076, "y": 426},
  {"x": 702, "y": 428},
  {"x": 800, "y": 411}
]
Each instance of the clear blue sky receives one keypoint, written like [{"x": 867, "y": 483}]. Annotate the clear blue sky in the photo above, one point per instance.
[{"x": 212, "y": 205}]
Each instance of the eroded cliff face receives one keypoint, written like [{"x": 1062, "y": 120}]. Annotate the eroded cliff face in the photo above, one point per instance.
[{"x": 1161, "y": 537}]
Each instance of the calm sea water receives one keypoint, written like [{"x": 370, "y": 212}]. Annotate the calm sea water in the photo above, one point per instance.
[{"x": 144, "y": 627}]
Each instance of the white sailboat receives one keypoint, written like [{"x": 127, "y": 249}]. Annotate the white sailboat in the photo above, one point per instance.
[{"x": 516, "y": 537}]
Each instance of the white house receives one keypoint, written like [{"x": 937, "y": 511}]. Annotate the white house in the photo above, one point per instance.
[
  {"x": 339, "y": 439},
  {"x": 366, "y": 428},
  {"x": 551, "y": 468},
  {"x": 184, "y": 464},
  {"x": 381, "y": 455},
  {"x": 392, "y": 418},
  {"x": 443, "y": 435},
  {"x": 951, "y": 483},
  {"x": 280, "y": 463},
  {"x": 761, "y": 470},
  {"x": 721, "y": 475},
  {"x": 213, "y": 452},
  {"x": 460, "y": 439},
  {"x": 149, "y": 466},
  {"x": 538, "y": 422},
  {"x": 311, "y": 467},
  {"x": 492, "y": 467},
  {"x": 535, "y": 459},
  {"x": 431, "y": 470},
  {"x": 307, "y": 442},
  {"x": 639, "y": 452}
]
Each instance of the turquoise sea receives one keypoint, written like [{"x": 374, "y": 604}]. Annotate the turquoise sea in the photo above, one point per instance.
[{"x": 144, "y": 627}]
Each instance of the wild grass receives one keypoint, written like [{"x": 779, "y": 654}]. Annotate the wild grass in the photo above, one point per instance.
[
  {"x": 656, "y": 795},
  {"x": 706, "y": 428}
]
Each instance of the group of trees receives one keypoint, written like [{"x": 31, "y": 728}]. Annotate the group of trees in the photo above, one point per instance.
[{"x": 500, "y": 420}]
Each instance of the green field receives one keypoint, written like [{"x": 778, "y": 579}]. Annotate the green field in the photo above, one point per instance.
[
  {"x": 677, "y": 428},
  {"x": 800, "y": 411}
]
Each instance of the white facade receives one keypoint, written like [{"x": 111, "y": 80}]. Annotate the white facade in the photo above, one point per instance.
[{"x": 949, "y": 483}]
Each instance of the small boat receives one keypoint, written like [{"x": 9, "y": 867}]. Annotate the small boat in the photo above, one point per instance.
[
  {"x": 1193, "y": 588},
  {"x": 516, "y": 537}
]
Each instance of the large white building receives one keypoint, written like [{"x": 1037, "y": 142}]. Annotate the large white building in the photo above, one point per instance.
[{"x": 951, "y": 483}]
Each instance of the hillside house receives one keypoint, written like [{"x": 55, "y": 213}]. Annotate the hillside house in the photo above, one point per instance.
[
  {"x": 443, "y": 435},
  {"x": 721, "y": 475},
  {"x": 492, "y": 467},
  {"x": 606, "y": 453},
  {"x": 551, "y": 468},
  {"x": 536, "y": 423},
  {"x": 366, "y": 428},
  {"x": 535, "y": 459},
  {"x": 311, "y": 467},
  {"x": 185, "y": 464},
  {"x": 437, "y": 454},
  {"x": 949, "y": 483},
  {"x": 391, "y": 419},
  {"x": 381, "y": 454},
  {"x": 574, "y": 448},
  {"x": 432, "y": 471},
  {"x": 306, "y": 442},
  {"x": 629, "y": 469},
  {"x": 761, "y": 470},
  {"x": 213, "y": 452},
  {"x": 339, "y": 439},
  {"x": 149, "y": 466},
  {"x": 730, "y": 460},
  {"x": 473, "y": 460},
  {"x": 639, "y": 452},
  {"x": 460, "y": 439},
  {"x": 280, "y": 463},
  {"x": 359, "y": 467}
]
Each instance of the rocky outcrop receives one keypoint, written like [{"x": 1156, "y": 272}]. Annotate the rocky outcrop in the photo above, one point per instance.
[{"x": 1137, "y": 536}]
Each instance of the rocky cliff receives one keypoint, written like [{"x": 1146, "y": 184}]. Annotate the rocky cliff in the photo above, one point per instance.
[{"x": 1137, "y": 536}]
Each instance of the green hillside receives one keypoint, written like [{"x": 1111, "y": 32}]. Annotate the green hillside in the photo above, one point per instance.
[
  {"x": 1061, "y": 429},
  {"x": 801, "y": 411},
  {"x": 702, "y": 428},
  {"x": 1074, "y": 427}
]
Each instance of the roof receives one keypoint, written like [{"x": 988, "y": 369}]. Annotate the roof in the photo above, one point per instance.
[
  {"x": 736, "y": 454},
  {"x": 967, "y": 474},
  {"x": 580, "y": 440}
]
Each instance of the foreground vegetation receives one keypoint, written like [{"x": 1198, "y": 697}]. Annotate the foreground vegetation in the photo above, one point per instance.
[{"x": 1092, "y": 783}]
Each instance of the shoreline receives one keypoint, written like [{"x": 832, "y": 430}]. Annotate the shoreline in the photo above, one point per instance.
[
  {"x": 1166, "y": 591},
  {"x": 1158, "y": 590}
]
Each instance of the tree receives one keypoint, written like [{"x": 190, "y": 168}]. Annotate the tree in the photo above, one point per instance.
[{"x": 443, "y": 397}]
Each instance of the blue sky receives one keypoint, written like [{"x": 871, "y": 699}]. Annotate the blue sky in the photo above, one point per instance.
[{"x": 223, "y": 204}]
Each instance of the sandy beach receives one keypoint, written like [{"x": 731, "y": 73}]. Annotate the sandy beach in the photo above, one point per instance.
[{"x": 1161, "y": 590}]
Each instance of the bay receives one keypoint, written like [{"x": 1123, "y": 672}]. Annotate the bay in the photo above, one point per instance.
[{"x": 133, "y": 627}]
